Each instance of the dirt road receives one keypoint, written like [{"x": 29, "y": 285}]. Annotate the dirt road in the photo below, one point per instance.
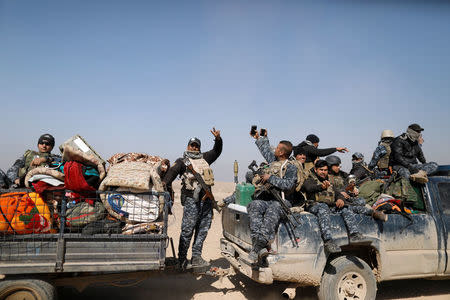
[{"x": 186, "y": 286}]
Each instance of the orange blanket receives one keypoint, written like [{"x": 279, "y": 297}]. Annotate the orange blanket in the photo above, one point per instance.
[{"x": 24, "y": 213}]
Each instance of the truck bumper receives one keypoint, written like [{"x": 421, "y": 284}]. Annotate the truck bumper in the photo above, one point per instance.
[{"x": 238, "y": 259}]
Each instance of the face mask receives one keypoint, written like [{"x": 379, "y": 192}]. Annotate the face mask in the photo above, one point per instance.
[{"x": 412, "y": 135}]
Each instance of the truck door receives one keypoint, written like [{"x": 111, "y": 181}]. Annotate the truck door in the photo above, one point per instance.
[{"x": 411, "y": 246}]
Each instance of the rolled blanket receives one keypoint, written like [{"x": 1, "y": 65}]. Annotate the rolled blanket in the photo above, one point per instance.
[
  {"x": 72, "y": 154},
  {"x": 43, "y": 171}
]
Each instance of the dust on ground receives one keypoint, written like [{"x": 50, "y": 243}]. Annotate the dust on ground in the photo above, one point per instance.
[{"x": 236, "y": 287}]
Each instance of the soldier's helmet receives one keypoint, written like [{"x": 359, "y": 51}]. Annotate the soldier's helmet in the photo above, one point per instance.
[
  {"x": 195, "y": 140},
  {"x": 357, "y": 155},
  {"x": 387, "y": 133},
  {"x": 332, "y": 160}
]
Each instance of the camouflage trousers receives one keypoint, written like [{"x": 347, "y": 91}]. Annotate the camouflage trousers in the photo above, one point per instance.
[
  {"x": 197, "y": 217},
  {"x": 323, "y": 211},
  {"x": 265, "y": 216},
  {"x": 358, "y": 206},
  {"x": 430, "y": 168}
]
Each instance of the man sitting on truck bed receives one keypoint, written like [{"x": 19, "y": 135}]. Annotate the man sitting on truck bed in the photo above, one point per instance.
[
  {"x": 265, "y": 212},
  {"x": 323, "y": 198},
  {"x": 405, "y": 153},
  {"x": 32, "y": 159}
]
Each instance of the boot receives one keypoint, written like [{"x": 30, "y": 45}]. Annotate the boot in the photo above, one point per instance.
[
  {"x": 182, "y": 264},
  {"x": 419, "y": 177},
  {"x": 262, "y": 254},
  {"x": 252, "y": 257},
  {"x": 331, "y": 247},
  {"x": 379, "y": 215},
  {"x": 199, "y": 262}
]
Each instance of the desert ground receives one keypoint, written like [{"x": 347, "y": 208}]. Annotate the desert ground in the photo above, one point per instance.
[{"x": 187, "y": 286}]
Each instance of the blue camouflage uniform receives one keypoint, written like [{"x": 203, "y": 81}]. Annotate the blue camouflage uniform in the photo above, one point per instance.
[
  {"x": 323, "y": 209},
  {"x": 4, "y": 181},
  {"x": 13, "y": 172},
  {"x": 197, "y": 214},
  {"x": 265, "y": 212}
]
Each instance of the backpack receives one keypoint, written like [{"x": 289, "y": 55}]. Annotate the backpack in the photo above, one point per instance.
[
  {"x": 83, "y": 213},
  {"x": 402, "y": 188}
]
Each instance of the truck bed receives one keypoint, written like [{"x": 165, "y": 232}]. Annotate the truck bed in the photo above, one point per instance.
[{"x": 68, "y": 251}]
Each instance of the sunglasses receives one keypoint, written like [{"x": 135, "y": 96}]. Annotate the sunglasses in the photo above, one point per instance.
[{"x": 45, "y": 143}]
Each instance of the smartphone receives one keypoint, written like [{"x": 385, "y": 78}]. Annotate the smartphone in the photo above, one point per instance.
[
  {"x": 253, "y": 130},
  {"x": 262, "y": 132}
]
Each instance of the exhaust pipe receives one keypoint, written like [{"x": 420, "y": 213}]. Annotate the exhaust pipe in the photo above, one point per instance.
[{"x": 289, "y": 292}]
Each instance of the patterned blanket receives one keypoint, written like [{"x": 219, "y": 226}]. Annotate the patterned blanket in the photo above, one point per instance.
[{"x": 134, "y": 177}]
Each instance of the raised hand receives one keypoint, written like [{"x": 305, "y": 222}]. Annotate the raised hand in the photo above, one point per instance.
[{"x": 215, "y": 132}]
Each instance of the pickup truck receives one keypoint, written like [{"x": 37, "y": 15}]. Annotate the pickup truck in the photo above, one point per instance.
[
  {"x": 32, "y": 265},
  {"x": 399, "y": 249}
]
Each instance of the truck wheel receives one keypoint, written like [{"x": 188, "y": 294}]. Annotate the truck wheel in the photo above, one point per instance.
[
  {"x": 347, "y": 278},
  {"x": 27, "y": 289}
]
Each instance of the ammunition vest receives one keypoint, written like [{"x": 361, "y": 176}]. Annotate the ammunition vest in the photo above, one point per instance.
[
  {"x": 302, "y": 174},
  {"x": 202, "y": 168},
  {"x": 383, "y": 163},
  {"x": 326, "y": 196},
  {"x": 336, "y": 180},
  {"x": 29, "y": 156},
  {"x": 276, "y": 168}
]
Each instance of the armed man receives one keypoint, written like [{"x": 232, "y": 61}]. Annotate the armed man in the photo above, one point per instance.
[
  {"x": 360, "y": 168},
  {"x": 197, "y": 202},
  {"x": 32, "y": 159},
  {"x": 310, "y": 146},
  {"x": 406, "y": 150},
  {"x": 381, "y": 156},
  {"x": 265, "y": 211},
  {"x": 323, "y": 198}
]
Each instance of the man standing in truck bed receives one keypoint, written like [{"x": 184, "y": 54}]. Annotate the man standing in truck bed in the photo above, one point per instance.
[{"x": 197, "y": 214}]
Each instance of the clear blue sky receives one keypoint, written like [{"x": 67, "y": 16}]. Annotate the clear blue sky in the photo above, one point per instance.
[{"x": 145, "y": 76}]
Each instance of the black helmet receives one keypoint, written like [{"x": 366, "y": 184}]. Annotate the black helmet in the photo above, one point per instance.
[
  {"x": 195, "y": 140},
  {"x": 333, "y": 160}
]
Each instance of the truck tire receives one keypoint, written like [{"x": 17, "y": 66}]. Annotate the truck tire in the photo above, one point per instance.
[
  {"x": 27, "y": 289},
  {"x": 347, "y": 277}
]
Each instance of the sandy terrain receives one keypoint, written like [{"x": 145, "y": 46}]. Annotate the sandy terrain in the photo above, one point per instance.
[{"x": 186, "y": 286}]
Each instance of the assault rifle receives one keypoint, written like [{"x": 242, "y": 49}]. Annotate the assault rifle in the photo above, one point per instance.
[
  {"x": 292, "y": 219},
  {"x": 207, "y": 190}
]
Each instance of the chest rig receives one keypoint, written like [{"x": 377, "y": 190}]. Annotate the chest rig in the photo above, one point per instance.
[{"x": 203, "y": 169}]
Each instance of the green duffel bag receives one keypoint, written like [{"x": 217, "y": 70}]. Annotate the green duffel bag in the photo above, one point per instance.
[
  {"x": 370, "y": 190},
  {"x": 407, "y": 191},
  {"x": 83, "y": 213}
]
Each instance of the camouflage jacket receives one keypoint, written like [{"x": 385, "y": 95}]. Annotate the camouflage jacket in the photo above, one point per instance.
[
  {"x": 13, "y": 172},
  {"x": 289, "y": 179}
]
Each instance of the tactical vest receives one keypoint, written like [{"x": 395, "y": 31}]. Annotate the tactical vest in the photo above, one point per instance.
[
  {"x": 29, "y": 156},
  {"x": 276, "y": 168},
  {"x": 336, "y": 180},
  {"x": 383, "y": 163},
  {"x": 302, "y": 174},
  {"x": 326, "y": 196},
  {"x": 202, "y": 168}
]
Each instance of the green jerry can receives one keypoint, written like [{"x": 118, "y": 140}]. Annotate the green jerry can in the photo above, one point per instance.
[{"x": 244, "y": 192}]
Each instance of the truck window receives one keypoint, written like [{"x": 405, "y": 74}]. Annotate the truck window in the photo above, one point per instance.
[{"x": 444, "y": 194}]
